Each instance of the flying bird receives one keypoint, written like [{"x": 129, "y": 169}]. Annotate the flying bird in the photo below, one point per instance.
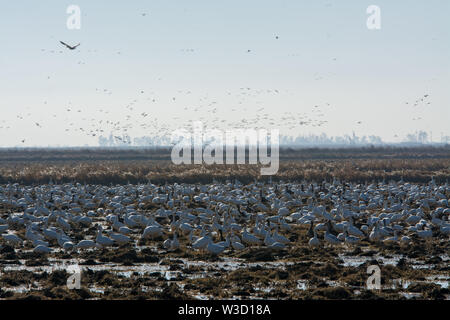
[{"x": 70, "y": 47}]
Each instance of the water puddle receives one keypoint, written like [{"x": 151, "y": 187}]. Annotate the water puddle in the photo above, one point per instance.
[{"x": 302, "y": 285}]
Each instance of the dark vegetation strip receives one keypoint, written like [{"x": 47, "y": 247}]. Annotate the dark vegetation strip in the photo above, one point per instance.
[
  {"x": 163, "y": 154},
  {"x": 123, "y": 172}
]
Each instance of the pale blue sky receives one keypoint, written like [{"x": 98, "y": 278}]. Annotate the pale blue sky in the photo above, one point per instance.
[{"x": 324, "y": 55}]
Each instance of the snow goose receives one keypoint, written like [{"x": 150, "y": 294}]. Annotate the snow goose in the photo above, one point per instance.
[
  {"x": 119, "y": 238},
  {"x": 86, "y": 244},
  {"x": 320, "y": 227},
  {"x": 125, "y": 230},
  {"x": 405, "y": 239},
  {"x": 425, "y": 234},
  {"x": 31, "y": 235},
  {"x": 201, "y": 242},
  {"x": 50, "y": 234},
  {"x": 116, "y": 223},
  {"x": 37, "y": 242},
  {"x": 280, "y": 238},
  {"x": 330, "y": 238},
  {"x": 214, "y": 248},
  {"x": 445, "y": 229},
  {"x": 42, "y": 249},
  {"x": 250, "y": 239},
  {"x": 354, "y": 231},
  {"x": 314, "y": 241},
  {"x": 277, "y": 245},
  {"x": 225, "y": 243},
  {"x": 62, "y": 223},
  {"x": 186, "y": 227},
  {"x": 237, "y": 245},
  {"x": 64, "y": 241},
  {"x": 412, "y": 220},
  {"x": 268, "y": 240},
  {"x": 350, "y": 239},
  {"x": 101, "y": 239},
  {"x": 285, "y": 226},
  {"x": 129, "y": 222},
  {"x": 12, "y": 239},
  {"x": 172, "y": 244},
  {"x": 152, "y": 231}
]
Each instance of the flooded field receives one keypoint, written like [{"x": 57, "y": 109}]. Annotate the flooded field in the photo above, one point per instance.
[
  {"x": 256, "y": 273},
  {"x": 225, "y": 241}
]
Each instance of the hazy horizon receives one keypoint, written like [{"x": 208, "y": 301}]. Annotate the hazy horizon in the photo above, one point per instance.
[{"x": 146, "y": 69}]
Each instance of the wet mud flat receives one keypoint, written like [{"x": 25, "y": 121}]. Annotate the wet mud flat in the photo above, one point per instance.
[{"x": 145, "y": 270}]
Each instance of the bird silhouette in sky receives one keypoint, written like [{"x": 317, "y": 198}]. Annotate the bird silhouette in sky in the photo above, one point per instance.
[{"x": 70, "y": 47}]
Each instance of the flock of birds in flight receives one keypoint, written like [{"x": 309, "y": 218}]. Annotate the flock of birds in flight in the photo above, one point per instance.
[
  {"x": 206, "y": 111},
  {"x": 203, "y": 111}
]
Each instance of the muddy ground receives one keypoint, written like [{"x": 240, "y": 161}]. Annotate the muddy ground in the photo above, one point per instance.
[{"x": 419, "y": 270}]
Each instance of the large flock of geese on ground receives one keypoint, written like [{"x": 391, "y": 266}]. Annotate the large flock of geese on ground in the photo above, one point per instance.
[{"x": 218, "y": 217}]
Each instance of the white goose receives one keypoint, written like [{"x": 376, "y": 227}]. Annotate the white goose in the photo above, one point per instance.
[
  {"x": 425, "y": 234},
  {"x": 268, "y": 240},
  {"x": 350, "y": 239},
  {"x": 31, "y": 235},
  {"x": 86, "y": 244},
  {"x": 202, "y": 242},
  {"x": 38, "y": 242},
  {"x": 129, "y": 222},
  {"x": 186, "y": 227},
  {"x": 280, "y": 238},
  {"x": 62, "y": 223},
  {"x": 392, "y": 239},
  {"x": 236, "y": 242},
  {"x": 314, "y": 241},
  {"x": 50, "y": 234},
  {"x": 375, "y": 234},
  {"x": 330, "y": 238},
  {"x": 125, "y": 230},
  {"x": 250, "y": 239},
  {"x": 172, "y": 244},
  {"x": 101, "y": 239},
  {"x": 237, "y": 245},
  {"x": 354, "y": 231},
  {"x": 12, "y": 239},
  {"x": 405, "y": 239},
  {"x": 119, "y": 238},
  {"x": 152, "y": 231},
  {"x": 116, "y": 223},
  {"x": 225, "y": 243},
  {"x": 214, "y": 248},
  {"x": 42, "y": 249},
  {"x": 65, "y": 242},
  {"x": 277, "y": 246},
  {"x": 445, "y": 229}
]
